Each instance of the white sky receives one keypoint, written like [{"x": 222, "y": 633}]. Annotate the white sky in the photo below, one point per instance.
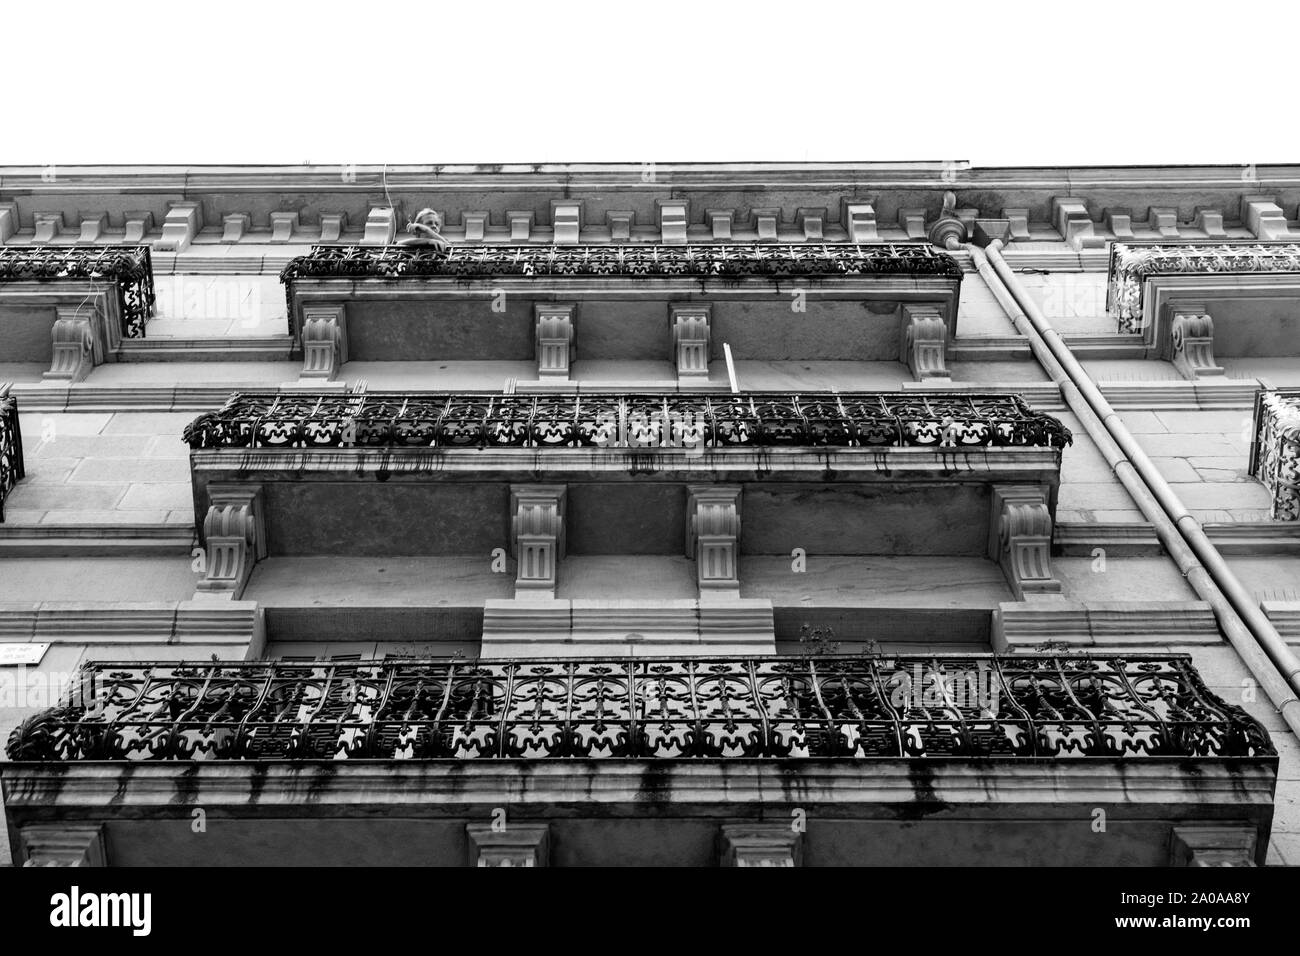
[{"x": 1016, "y": 83}]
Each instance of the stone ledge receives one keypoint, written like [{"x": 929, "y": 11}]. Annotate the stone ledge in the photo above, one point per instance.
[
  {"x": 434, "y": 788},
  {"x": 1027, "y": 626},
  {"x": 1078, "y": 539},
  {"x": 43, "y": 541},
  {"x": 1285, "y": 616},
  {"x": 607, "y": 627},
  {"x": 885, "y": 464},
  {"x": 171, "y": 622}
]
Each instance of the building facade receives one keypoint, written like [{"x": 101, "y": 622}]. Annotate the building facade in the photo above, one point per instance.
[{"x": 683, "y": 514}]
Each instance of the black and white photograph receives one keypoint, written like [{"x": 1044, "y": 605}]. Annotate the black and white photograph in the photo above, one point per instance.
[{"x": 675, "y": 435}]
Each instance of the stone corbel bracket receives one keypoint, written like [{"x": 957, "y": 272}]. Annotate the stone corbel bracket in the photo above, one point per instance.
[
  {"x": 1264, "y": 217},
  {"x": 1020, "y": 539},
  {"x": 8, "y": 221},
  {"x": 720, "y": 222},
  {"x": 283, "y": 226},
  {"x": 332, "y": 226},
  {"x": 510, "y": 844},
  {"x": 1018, "y": 222},
  {"x": 537, "y": 537},
  {"x": 713, "y": 537},
  {"x": 859, "y": 219},
  {"x": 474, "y": 225},
  {"x": 1210, "y": 222},
  {"x": 62, "y": 844},
  {"x": 566, "y": 222},
  {"x": 690, "y": 331},
  {"x": 556, "y": 347},
  {"x": 924, "y": 343},
  {"x": 77, "y": 348},
  {"x": 621, "y": 222},
  {"x": 674, "y": 217},
  {"x": 1070, "y": 216},
  {"x": 138, "y": 225},
  {"x": 767, "y": 224},
  {"x": 49, "y": 225},
  {"x": 324, "y": 342},
  {"x": 521, "y": 224},
  {"x": 180, "y": 227},
  {"x": 1212, "y": 845},
  {"x": 381, "y": 226},
  {"x": 234, "y": 536},
  {"x": 234, "y": 226},
  {"x": 760, "y": 844},
  {"x": 1191, "y": 344},
  {"x": 93, "y": 227},
  {"x": 912, "y": 221},
  {"x": 812, "y": 220}
]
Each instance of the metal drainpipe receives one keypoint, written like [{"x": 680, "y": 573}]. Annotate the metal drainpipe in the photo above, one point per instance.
[{"x": 1247, "y": 629}]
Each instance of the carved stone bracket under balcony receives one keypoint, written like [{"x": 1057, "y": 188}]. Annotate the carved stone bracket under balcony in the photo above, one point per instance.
[
  {"x": 713, "y": 537},
  {"x": 509, "y": 844},
  {"x": 537, "y": 537},
  {"x": 324, "y": 342},
  {"x": 1191, "y": 343},
  {"x": 1275, "y": 451},
  {"x": 74, "y": 344},
  {"x": 62, "y": 844},
  {"x": 1213, "y": 846},
  {"x": 924, "y": 340},
  {"x": 761, "y": 844},
  {"x": 554, "y": 336},
  {"x": 690, "y": 330},
  {"x": 1020, "y": 539},
  {"x": 234, "y": 539}
]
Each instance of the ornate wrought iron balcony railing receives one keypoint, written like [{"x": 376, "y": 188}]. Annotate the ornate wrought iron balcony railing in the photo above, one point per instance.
[
  {"x": 1133, "y": 262},
  {"x": 974, "y": 706},
  {"x": 1275, "y": 451},
  {"x": 861, "y": 419},
  {"x": 773, "y": 261},
  {"x": 11, "y": 446},
  {"x": 128, "y": 268},
  {"x": 651, "y": 260}
]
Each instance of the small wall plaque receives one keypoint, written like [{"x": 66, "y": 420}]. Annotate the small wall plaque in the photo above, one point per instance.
[{"x": 19, "y": 655}]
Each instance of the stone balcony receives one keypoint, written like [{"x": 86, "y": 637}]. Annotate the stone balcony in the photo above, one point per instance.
[
  {"x": 1194, "y": 303},
  {"x": 71, "y": 307},
  {"x": 308, "y": 759},
  {"x": 696, "y": 488},
  {"x": 671, "y": 307}
]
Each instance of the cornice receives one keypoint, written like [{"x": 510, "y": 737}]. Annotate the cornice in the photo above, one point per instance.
[{"x": 642, "y": 177}]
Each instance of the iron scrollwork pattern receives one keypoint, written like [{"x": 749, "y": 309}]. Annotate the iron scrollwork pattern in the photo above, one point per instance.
[
  {"x": 632, "y": 421},
  {"x": 738, "y": 261},
  {"x": 1275, "y": 452},
  {"x": 11, "y": 446},
  {"x": 775, "y": 261},
  {"x": 846, "y": 707},
  {"x": 1131, "y": 263},
  {"x": 128, "y": 268}
]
